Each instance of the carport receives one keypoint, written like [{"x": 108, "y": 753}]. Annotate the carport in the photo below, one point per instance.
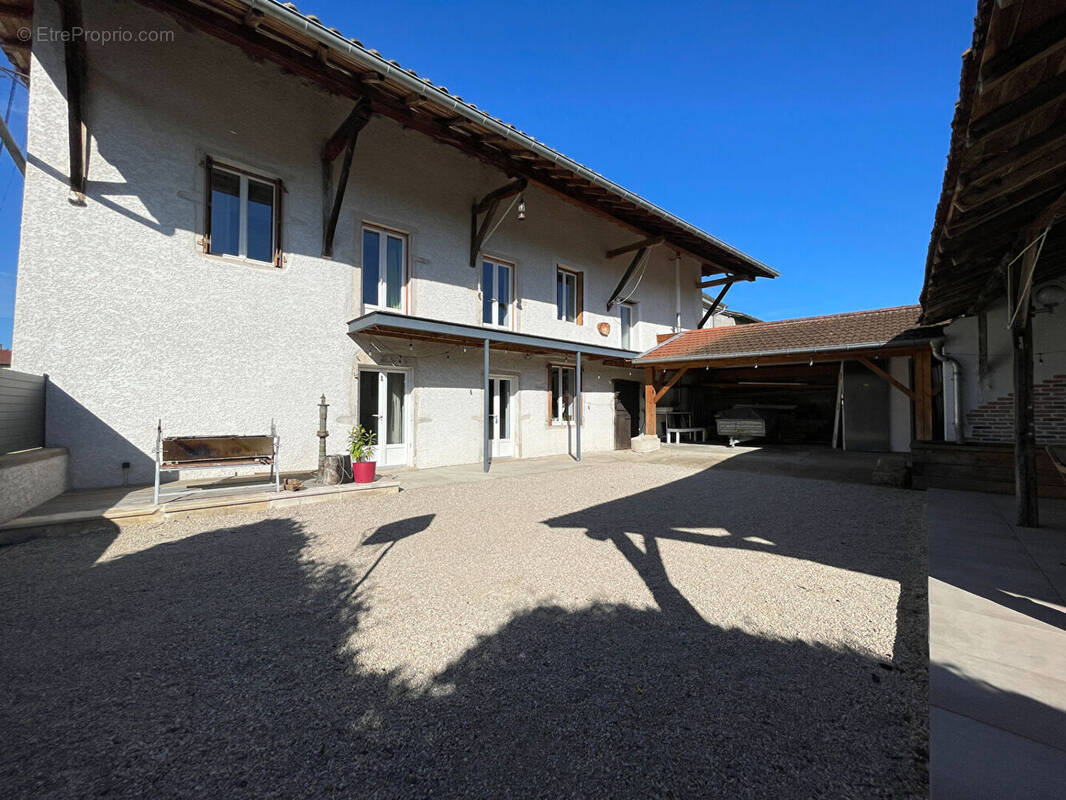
[{"x": 866, "y": 380}]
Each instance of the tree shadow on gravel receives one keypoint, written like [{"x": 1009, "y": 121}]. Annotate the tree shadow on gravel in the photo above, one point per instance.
[{"x": 219, "y": 665}]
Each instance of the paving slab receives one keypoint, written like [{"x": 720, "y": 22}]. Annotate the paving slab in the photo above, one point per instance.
[
  {"x": 997, "y": 649},
  {"x": 992, "y": 763}
]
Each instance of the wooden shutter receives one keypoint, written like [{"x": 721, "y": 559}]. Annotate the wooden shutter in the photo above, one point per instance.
[
  {"x": 206, "y": 241},
  {"x": 549, "y": 392},
  {"x": 278, "y": 190},
  {"x": 580, "y": 282}
]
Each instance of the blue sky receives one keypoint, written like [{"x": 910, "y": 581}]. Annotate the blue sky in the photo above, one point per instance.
[{"x": 813, "y": 139}]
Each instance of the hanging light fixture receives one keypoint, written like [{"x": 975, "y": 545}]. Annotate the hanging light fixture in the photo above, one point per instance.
[{"x": 521, "y": 208}]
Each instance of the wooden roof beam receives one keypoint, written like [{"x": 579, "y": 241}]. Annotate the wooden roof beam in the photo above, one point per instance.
[
  {"x": 1001, "y": 116},
  {"x": 654, "y": 241},
  {"x": 1043, "y": 39},
  {"x": 976, "y": 196},
  {"x": 1047, "y": 218},
  {"x": 1005, "y": 160}
]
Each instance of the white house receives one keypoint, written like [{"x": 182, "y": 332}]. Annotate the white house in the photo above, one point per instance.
[{"x": 234, "y": 210}]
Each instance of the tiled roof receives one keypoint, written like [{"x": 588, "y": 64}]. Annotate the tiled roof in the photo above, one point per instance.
[{"x": 856, "y": 329}]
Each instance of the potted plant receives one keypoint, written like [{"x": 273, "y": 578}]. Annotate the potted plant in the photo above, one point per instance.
[{"x": 361, "y": 443}]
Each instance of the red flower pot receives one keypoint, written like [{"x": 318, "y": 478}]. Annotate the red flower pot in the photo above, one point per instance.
[{"x": 363, "y": 471}]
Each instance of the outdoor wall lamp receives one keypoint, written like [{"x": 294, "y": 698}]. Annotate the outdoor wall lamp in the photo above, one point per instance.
[
  {"x": 1048, "y": 296},
  {"x": 521, "y": 208}
]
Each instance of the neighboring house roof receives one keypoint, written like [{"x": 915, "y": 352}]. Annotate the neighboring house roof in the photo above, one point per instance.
[
  {"x": 302, "y": 44},
  {"x": 5, "y": 357},
  {"x": 854, "y": 330},
  {"x": 1006, "y": 169},
  {"x": 740, "y": 317},
  {"x": 726, "y": 311}
]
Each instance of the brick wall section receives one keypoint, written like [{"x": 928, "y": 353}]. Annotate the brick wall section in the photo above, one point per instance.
[{"x": 994, "y": 421}]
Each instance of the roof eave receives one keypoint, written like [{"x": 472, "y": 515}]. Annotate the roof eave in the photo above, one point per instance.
[
  {"x": 390, "y": 71},
  {"x": 648, "y": 358}
]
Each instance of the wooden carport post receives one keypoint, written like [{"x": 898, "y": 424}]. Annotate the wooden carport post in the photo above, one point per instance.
[
  {"x": 649, "y": 402},
  {"x": 923, "y": 399}
]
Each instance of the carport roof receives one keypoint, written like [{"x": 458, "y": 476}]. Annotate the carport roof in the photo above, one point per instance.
[{"x": 856, "y": 330}]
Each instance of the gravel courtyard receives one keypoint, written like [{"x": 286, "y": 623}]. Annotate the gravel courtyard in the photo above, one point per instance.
[{"x": 615, "y": 629}]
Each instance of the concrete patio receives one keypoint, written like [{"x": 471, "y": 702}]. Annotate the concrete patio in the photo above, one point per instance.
[
  {"x": 997, "y": 648},
  {"x": 84, "y": 509},
  {"x": 87, "y": 509}
]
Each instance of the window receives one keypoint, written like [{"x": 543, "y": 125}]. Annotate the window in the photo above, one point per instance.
[
  {"x": 561, "y": 388},
  {"x": 243, "y": 218},
  {"x": 384, "y": 268},
  {"x": 496, "y": 294},
  {"x": 627, "y": 316},
  {"x": 568, "y": 295}
]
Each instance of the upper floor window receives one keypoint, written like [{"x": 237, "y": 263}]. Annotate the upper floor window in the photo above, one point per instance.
[
  {"x": 384, "y": 268},
  {"x": 568, "y": 296},
  {"x": 497, "y": 282},
  {"x": 243, "y": 218},
  {"x": 627, "y": 318}
]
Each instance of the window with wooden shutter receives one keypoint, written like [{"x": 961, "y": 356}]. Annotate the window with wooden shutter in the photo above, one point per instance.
[{"x": 242, "y": 214}]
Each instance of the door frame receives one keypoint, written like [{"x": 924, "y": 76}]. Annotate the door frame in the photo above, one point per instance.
[
  {"x": 513, "y": 407},
  {"x": 408, "y": 415}
]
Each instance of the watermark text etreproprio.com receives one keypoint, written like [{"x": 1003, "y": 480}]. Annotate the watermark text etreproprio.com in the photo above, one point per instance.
[{"x": 44, "y": 33}]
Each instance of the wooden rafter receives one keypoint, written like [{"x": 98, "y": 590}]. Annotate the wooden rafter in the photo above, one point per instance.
[
  {"x": 1019, "y": 108},
  {"x": 74, "y": 58},
  {"x": 1046, "y": 219},
  {"x": 876, "y": 370},
  {"x": 714, "y": 306},
  {"x": 824, "y": 357},
  {"x": 296, "y": 53},
  {"x": 1007, "y": 159},
  {"x": 668, "y": 385},
  {"x": 488, "y": 205},
  {"x": 345, "y": 138},
  {"x": 1037, "y": 43},
  {"x": 638, "y": 257},
  {"x": 643, "y": 244},
  {"x": 723, "y": 281}
]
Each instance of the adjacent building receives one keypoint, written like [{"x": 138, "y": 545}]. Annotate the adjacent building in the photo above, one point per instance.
[{"x": 238, "y": 210}]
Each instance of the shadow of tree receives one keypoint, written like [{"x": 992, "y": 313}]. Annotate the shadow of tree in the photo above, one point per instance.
[{"x": 219, "y": 665}]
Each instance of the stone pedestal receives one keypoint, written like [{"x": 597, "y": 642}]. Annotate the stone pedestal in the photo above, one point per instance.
[{"x": 645, "y": 444}]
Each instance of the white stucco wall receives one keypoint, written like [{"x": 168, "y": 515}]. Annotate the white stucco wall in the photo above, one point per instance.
[
  {"x": 134, "y": 324},
  {"x": 961, "y": 343}
]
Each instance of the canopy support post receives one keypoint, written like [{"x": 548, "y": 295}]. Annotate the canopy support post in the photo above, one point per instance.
[
  {"x": 577, "y": 405},
  {"x": 488, "y": 410}
]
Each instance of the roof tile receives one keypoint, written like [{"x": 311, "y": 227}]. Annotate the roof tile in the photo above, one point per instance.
[{"x": 806, "y": 334}]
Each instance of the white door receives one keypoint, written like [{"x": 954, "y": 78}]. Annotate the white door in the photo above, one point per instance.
[
  {"x": 501, "y": 424},
  {"x": 383, "y": 406}
]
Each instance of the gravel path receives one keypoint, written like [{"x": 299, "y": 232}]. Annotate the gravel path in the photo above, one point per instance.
[{"x": 645, "y": 630}]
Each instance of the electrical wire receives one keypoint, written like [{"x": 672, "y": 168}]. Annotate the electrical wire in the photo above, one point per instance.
[
  {"x": 643, "y": 268},
  {"x": 499, "y": 222}
]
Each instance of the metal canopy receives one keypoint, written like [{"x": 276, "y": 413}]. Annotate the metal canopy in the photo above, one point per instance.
[{"x": 383, "y": 323}]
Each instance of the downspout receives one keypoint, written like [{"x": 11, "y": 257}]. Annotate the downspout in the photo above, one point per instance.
[
  {"x": 677, "y": 292},
  {"x": 956, "y": 388}
]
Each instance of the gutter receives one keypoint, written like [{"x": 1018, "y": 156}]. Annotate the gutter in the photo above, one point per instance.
[
  {"x": 937, "y": 347},
  {"x": 418, "y": 86},
  {"x": 768, "y": 353}
]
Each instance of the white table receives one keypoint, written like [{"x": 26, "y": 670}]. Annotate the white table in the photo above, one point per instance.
[{"x": 674, "y": 434}]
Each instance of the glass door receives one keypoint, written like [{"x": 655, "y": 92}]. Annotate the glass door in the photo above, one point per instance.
[
  {"x": 501, "y": 437},
  {"x": 383, "y": 409}
]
